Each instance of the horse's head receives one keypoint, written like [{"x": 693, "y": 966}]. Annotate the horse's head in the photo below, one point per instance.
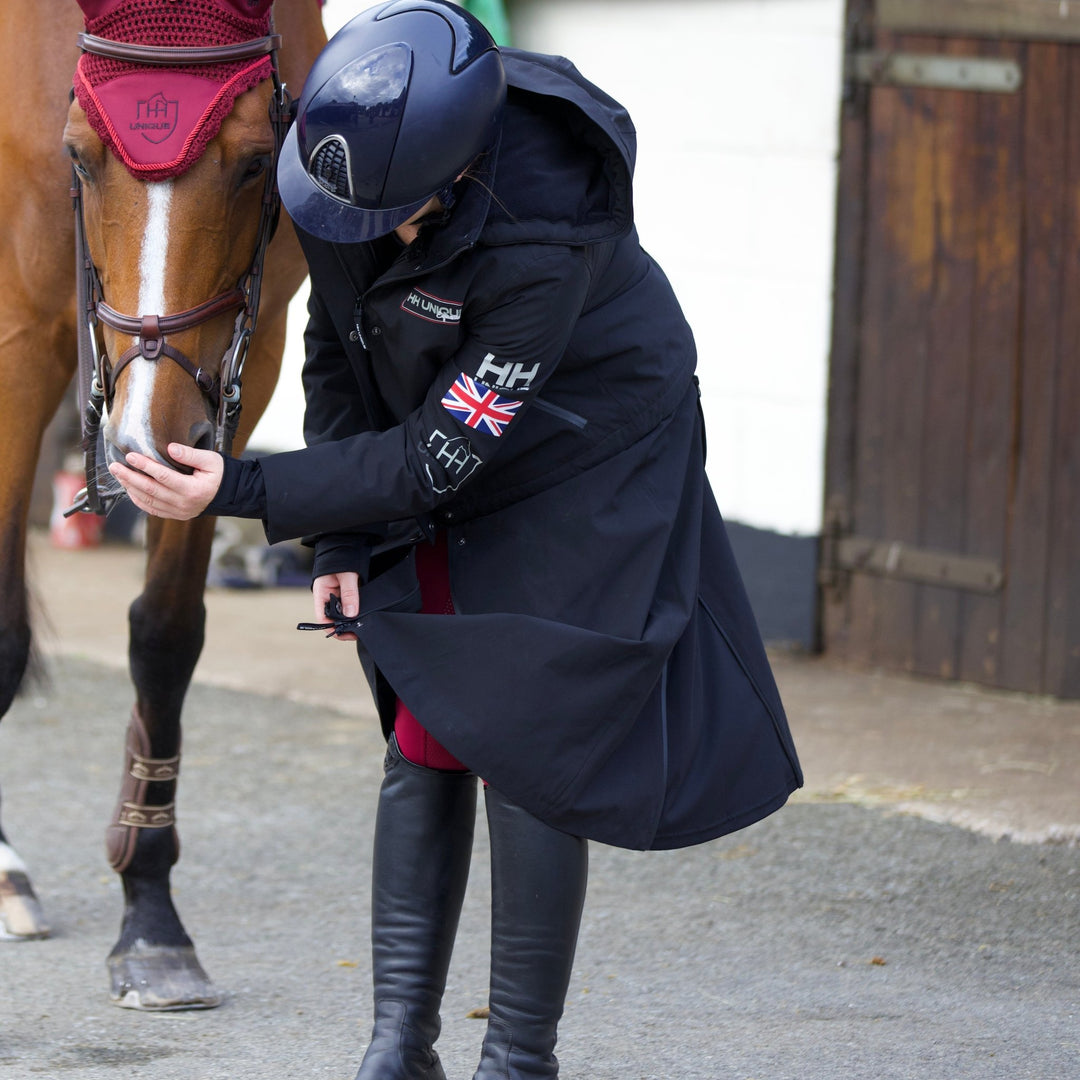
[
  {"x": 172, "y": 236},
  {"x": 165, "y": 247}
]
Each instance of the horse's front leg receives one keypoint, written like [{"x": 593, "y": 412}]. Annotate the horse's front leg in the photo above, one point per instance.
[
  {"x": 21, "y": 917},
  {"x": 153, "y": 964},
  {"x": 35, "y": 368}
]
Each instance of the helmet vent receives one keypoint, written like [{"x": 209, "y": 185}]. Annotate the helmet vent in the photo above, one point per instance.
[{"x": 329, "y": 168}]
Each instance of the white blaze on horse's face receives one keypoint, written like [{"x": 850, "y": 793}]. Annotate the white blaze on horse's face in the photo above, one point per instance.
[{"x": 134, "y": 429}]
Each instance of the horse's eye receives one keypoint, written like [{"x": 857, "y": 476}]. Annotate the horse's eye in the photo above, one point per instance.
[
  {"x": 255, "y": 168},
  {"x": 80, "y": 168}
]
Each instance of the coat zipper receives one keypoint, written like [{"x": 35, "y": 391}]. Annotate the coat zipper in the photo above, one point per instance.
[
  {"x": 578, "y": 421},
  {"x": 358, "y": 322}
]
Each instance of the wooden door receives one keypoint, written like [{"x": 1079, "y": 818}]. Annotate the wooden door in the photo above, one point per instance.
[{"x": 952, "y": 537}]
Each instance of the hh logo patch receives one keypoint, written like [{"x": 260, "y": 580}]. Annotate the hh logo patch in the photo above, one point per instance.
[
  {"x": 156, "y": 117},
  {"x": 506, "y": 376},
  {"x": 431, "y": 307},
  {"x": 455, "y": 457},
  {"x": 478, "y": 407}
]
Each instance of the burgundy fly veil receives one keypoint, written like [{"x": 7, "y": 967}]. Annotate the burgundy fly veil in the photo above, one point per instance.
[{"x": 158, "y": 119}]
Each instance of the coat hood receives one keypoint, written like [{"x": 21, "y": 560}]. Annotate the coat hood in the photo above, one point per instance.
[{"x": 565, "y": 161}]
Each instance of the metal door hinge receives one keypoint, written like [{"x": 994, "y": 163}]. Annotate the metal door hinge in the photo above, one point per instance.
[
  {"x": 900, "y": 562},
  {"x": 843, "y": 554},
  {"x": 977, "y": 73}
]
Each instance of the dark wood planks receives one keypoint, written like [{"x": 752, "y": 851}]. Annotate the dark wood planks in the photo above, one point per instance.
[
  {"x": 947, "y": 387},
  {"x": 1061, "y": 673},
  {"x": 1023, "y": 629},
  {"x": 995, "y": 348},
  {"x": 955, "y": 384}
]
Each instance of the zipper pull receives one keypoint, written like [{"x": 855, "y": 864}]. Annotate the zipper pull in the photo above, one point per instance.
[{"x": 357, "y": 334}]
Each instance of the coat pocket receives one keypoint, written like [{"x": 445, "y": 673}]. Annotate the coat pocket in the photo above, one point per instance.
[{"x": 572, "y": 418}]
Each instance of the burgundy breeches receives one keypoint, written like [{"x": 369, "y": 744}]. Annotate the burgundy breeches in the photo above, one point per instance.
[{"x": 415, "y": 744}]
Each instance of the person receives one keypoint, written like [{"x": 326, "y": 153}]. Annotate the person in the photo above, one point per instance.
[{"x": 504, "y": 485}]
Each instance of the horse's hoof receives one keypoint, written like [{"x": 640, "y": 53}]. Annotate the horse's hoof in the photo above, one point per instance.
[
  {"x": 158, "y": 978},
  {"x": 21, "y": 917}
]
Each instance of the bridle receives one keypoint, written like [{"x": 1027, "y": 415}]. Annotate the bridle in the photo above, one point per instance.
[{"x": 97, "y": 376}]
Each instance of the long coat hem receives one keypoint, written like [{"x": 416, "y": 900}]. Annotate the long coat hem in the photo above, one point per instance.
[{"x": 669, "y": 841}]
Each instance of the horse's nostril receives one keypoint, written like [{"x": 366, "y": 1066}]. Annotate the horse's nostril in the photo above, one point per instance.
[
  {"x": 113, "y": 453},
  {"x": 202, "y": 436}
]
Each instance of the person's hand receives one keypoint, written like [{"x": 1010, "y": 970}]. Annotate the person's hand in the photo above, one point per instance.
[
  {"x": 165, "y": 492},
  {"x": 346, "y": 586}
]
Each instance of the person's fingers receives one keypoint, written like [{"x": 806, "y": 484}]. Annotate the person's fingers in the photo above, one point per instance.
[
  {"x": 161, "y": 490},
  {"x": 155, "y": 470},
  {"x": 144, "y": 490},
  {"x": 135, "y": 483},
  {"x": 346, "y": 587},
  {"x": 349, "y": 585},
  {"x": 208, "y": 461},
  {"x": 321, "y": 591}
]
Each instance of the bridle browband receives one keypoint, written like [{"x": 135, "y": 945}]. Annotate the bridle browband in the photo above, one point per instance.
[
  {"x": 168, "y": 55},
  {"x": 97, "y": 377}
]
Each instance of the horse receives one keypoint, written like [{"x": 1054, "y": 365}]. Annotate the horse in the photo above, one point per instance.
[{"x": 157, "y": 282}]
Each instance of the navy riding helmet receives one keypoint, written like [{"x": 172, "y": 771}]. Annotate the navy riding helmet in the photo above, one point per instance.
[{"x": 399, "y": 102}]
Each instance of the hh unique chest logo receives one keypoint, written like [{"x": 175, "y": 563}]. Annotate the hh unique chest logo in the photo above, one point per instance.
[
  {"x": 432, "y": 308},
  {"x": 156, "y": 118}
]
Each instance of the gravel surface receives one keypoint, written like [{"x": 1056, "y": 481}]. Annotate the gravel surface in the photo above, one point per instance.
[{"x": 832, "y": 940}]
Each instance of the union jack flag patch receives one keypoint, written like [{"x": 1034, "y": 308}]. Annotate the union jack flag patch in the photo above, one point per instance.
[{"x": 478, "y": 407}]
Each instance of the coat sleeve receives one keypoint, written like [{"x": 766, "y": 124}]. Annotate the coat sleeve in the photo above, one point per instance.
[
  {"x": 334, "y": 409},
  {"x": 514, "y": 341}
]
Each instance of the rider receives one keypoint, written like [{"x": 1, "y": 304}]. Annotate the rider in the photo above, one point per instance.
[{"x": 506, "y": 451}]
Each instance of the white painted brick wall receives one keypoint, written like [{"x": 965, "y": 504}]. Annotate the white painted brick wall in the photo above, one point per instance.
[{"x": 736, "y": 106}]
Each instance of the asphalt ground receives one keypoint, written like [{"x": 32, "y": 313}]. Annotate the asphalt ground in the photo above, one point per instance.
[{"x": 879, "y": 926}]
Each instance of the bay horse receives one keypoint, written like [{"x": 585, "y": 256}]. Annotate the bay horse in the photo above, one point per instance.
[{"x": 169, "y": 286}]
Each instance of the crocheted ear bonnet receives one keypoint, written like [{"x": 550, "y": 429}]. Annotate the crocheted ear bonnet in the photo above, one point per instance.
[{"x": 158, "y": 120}]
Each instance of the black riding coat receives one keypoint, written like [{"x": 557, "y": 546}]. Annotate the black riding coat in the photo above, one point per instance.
[{"x": 523, "y": 377}]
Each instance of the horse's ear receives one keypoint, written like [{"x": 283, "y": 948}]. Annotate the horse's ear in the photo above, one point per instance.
[{"x": 249, "y": 9}]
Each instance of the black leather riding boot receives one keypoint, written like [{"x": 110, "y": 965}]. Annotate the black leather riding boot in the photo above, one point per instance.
[
  {"x": 423, "y": 844},
  {"x": 538, "y": 878}
]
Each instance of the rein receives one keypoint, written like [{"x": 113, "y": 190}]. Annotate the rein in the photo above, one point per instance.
[{"x": 97, "y": 376}]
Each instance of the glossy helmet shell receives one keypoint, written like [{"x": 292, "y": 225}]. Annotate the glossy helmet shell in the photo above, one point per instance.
[{"x": 399, "y": 102}]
